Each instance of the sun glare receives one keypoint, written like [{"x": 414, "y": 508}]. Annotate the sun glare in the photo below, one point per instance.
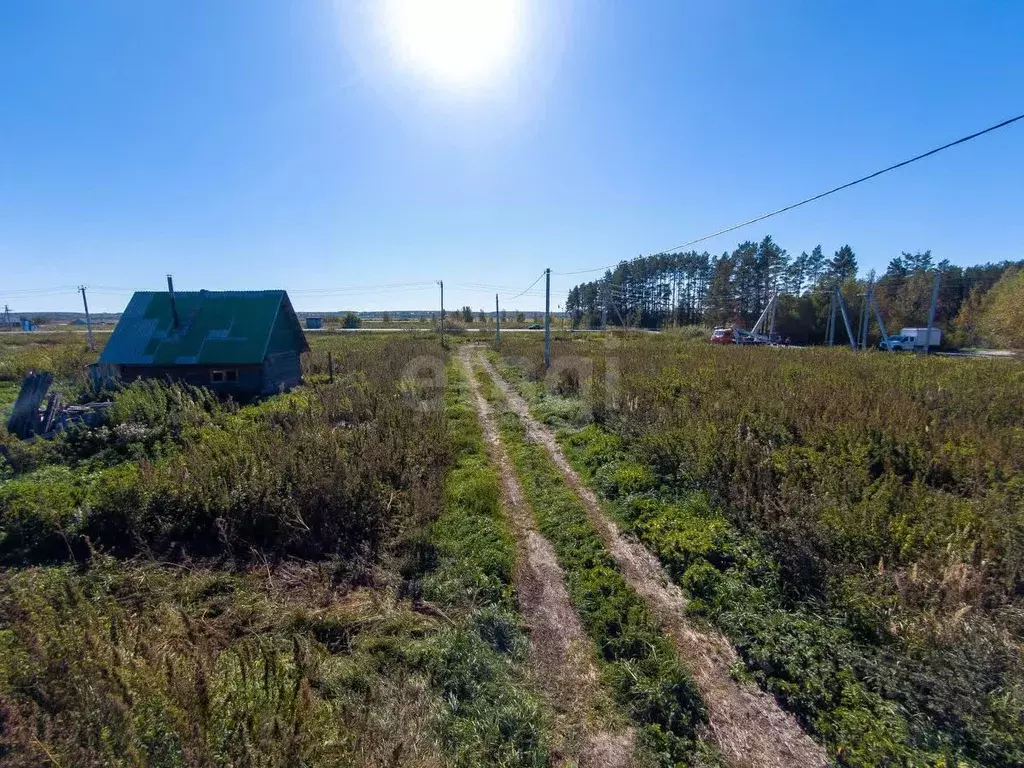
[{"x": 456, "y": 43}]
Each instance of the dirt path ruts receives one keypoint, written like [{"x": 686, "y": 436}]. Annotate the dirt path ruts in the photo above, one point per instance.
[
  {"x": 559, "y": 654},
  {"x": 746, "y": 724}
]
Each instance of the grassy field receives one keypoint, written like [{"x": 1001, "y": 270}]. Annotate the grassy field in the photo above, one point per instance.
[
  {"x": 637, "y": 662},
  {"x": 64, "y": 354},
  {"x": 8, "y": 394},
  {"x": 322, "y": 578},
  {"x": 854, "y": 524},
  {"x": 327, "y": 577}
]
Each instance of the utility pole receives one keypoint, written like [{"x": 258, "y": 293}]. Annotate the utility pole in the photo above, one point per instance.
[
  {"x": 497, "y": 322},
  {"x": 88, "y": 320},
  {"x": 931, "y": 311},
  {"x": 846, "y": 320},
  {"x": 881, "y": 322},
  {"x": 860, "y": 322},
  {"x": 604, "y": 308},
  {"x": 441, "y": 283},
  {"x": 830, "y": 332},
  {"x": 865, "y": 321},
  {"x": 547, "y": 318}
]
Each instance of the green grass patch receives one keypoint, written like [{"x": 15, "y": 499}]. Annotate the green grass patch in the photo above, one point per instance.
[
  {"x": 809, "y": 661},
  {"x": 130, "y": 665},
  {"x": 408, "y": 651},
  {"x": 491, "y": 717},
  {"x": 638, "y": 664},
  {"x": 8, "y": 394},
  {"x": 925, "y": 697}
]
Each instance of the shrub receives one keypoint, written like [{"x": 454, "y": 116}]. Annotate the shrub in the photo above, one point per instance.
[{"x": 850, "y": 522}]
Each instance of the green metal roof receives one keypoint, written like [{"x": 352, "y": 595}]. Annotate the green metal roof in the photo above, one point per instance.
[{"x": 215, "y": 328}]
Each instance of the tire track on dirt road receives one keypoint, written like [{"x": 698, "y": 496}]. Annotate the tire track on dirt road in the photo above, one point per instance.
[
  {"x": 560, "y": 654},
  {"x": 747, "y": 725}
]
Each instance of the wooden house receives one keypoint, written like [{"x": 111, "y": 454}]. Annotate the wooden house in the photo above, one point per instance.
[{"x": 242, "y": 343}]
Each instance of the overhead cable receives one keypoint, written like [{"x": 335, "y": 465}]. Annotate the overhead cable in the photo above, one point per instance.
[{"x": 811, "y": 199}]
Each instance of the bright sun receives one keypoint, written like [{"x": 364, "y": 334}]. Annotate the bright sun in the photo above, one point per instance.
[{"x": 457, "y": 43}]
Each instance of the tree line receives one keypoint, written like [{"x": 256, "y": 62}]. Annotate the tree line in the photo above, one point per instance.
[{"x": 976, "y": 304}]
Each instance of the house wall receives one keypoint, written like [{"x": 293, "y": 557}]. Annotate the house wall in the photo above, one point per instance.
[
  {"x": 284, "y": 336},
  {"x": 250, "y": 377},
  {"x": 282, "y": 366},
  {"x": 281, "y": 371}
]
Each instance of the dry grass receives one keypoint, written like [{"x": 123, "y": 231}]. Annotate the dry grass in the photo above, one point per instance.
[
  {"x": 747, "y": 726},
  {"x": 851, "y": 523}
]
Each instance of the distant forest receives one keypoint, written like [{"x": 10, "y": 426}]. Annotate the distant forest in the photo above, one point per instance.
[{"x": 977, "y": 305}]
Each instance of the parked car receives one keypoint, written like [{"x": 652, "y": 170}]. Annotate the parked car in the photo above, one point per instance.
[
  {"x": 534, "y": 327},
  {"x": 897, "y": 344}
]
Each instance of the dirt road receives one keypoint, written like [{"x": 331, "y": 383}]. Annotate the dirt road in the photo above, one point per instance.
[
  {"x": 746, "y": 724},
  {"x": 560, "y": 652}
]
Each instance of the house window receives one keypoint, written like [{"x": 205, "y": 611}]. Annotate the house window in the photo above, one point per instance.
[{"x": 221, "y": 377}]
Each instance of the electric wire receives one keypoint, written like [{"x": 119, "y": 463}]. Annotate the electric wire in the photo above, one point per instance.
[
  {"x": 409, "y": 286},
  {"x": 528, "y": 287},
  {"x": 811, "y": 199}
]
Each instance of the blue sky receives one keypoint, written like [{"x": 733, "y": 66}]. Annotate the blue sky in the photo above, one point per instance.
[{"x": 259, "y": 144}]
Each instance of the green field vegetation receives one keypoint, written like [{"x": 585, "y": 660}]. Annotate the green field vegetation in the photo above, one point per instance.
[
  {"x": 854, "y": 524},
  {"x": 65, "y": 354},
  {"x": 325, "y": 577},
  {"x": 8, "y": 394},
  {"x": 466, "y": 566},
  {"x": 638, "y": 664},
  {"x": 322, "y": 578}
]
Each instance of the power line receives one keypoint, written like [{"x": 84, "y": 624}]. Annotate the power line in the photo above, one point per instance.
[
  {"x": 539, "y": 277},
  {"x": 848, "y": 184},
  {"x": 378, "y": 287},
  {"x": 360, "y": 292},
  {"x": 811, "y": 199},
  {"x": 491, "y": 287},
  {"x": 36, "y": 291}
]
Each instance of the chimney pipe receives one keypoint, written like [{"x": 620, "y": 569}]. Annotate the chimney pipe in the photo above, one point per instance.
[{"x": 175, "y": 321}]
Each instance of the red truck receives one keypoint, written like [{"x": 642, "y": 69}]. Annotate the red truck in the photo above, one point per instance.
[{"x": 723, "y": 336}]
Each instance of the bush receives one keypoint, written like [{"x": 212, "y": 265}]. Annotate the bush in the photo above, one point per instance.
[
  {"x": 332, "y": 470},
  {"x": 143, "y": 666},
  {"x": 850, "y": 522},
  {"x": 333, "y": 659}
]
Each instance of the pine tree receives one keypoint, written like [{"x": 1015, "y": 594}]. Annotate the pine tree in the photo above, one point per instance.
[
  {"x": 843, "y": 265},
  {"x": 815, "y": 266},
  {"x": 796, "y": 273}
]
